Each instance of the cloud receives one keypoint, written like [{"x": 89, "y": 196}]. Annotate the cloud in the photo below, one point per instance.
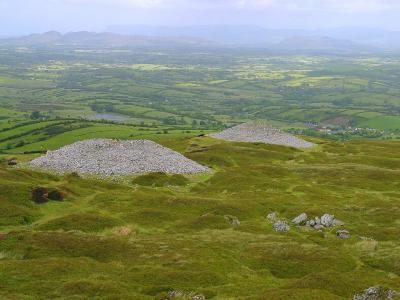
[
  {"x": 117, "y": 3},
  {"x": 68, "y": 15},
  {"x": 336, "y": 5},
  {"x": 350, "y": 6}
]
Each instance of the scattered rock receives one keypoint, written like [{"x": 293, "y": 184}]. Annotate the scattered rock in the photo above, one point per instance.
[
  {"x": 377, "y": 293},
  {"x": 254, "y": 132},
  {"x": 301, "y": 219},
  {"x": 184, "y": 296},
  {"x": 281, "y": 226},
  {"x": 327, "y": 220},
  {"x": 12, "y": 161},
  {"x": 111, "y": 157},
  {"x": 233, "y": 220},
  {"x": 272, "y": 216},
  {"x": 311, "y": 223},
  {"x": 40, "y": 195},
  {"x": 343, "y": 234}
]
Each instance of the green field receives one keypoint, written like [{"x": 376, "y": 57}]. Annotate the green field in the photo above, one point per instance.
[
  {"x": 222, "y": 87},
  {"x": 383, "y": 122}
]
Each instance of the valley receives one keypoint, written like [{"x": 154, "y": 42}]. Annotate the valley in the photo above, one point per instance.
[{"x": 227, "y": 232}]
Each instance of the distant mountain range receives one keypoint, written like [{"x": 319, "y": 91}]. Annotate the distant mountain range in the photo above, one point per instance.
[
  {"x": 320, "y": 44},
  {"x": 254, "y": 35},
  {"x": 328, "y": 41},
  {"x": 84, "y": 39}
]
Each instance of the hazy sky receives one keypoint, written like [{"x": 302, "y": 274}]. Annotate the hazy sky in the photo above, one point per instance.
[{"x": 26, "y": 16}]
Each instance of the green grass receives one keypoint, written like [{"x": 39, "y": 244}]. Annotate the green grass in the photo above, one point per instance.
[
  {"x": 160, "y": 180},
  {"x": 43, "y": 141},
  {"x": 178, "y": 237},
  {"x": 383, "y": 122}
]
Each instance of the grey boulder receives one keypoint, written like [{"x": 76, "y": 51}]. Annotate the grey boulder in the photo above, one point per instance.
[
  {"x": 343, "y": 234},
  {"x": 272, "y": 216},
  {"x": 281, "y": 226},
  {"x": 234, "y": 221},
  {"x": 301, "y": 219},
  {"x": 327, "y": 220}
]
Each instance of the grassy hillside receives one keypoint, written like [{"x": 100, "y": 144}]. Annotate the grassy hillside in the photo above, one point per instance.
[{"x": 145, "y": 236}]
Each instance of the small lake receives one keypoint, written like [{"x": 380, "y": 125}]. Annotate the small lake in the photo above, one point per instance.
[{"x": 109, "y": 117}]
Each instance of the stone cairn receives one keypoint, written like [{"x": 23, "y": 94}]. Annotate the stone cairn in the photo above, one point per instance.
[
  {"x": 254, "y": 132},
  {"x": 113, "y": 157}
]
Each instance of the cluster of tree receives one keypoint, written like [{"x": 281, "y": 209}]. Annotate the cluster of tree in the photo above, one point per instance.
[
  {"x": 36, "y": 115},
  {"x": 102, "y": 107},
  {"x": 174, "y": 121},
  {"x": 344, "y": 135},
  {"x": 195, "y": 123}
]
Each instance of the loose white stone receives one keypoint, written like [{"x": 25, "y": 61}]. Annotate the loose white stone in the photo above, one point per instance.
[
  {"x": 343, "y": 234},
  {"x": 327, "y": 220},
  {"x": 261, "y": 133},
  {"x": 113, "y": 157},
  {"x": 281, "y": 226},
  {"x": 301, "y": 219}
]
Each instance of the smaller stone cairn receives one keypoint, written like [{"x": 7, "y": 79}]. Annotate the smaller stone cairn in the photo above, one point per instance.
[
  {"x": 317, "y": 223},
  {"x": 255, "y": 132}
]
